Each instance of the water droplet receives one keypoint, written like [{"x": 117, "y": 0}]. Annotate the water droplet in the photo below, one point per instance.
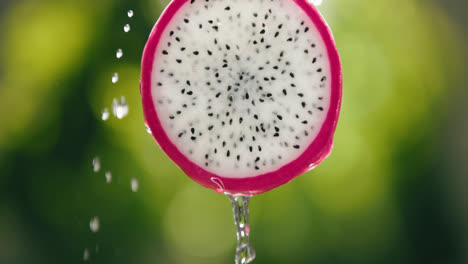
[
  {"x": 120, "y": 108},
  {"x": 126, "y": 28},
  {"x": 94, "y": 224},
  {"x": 108, "y": 175},
  {"x": 86, "y": 254},
  {"x": 96, "y": 164},
  {"x": 105, "y": 114},
  {"x": 115, "y": 77},
  {"x": 130, "y": 13},
  {"x": 148, "y": 129},
  {"x": 134, "y": 184},
  {"x": 219, "y": 183},
  {"x": 119, "y": 53},
  {"x": 316, "y": 2}
]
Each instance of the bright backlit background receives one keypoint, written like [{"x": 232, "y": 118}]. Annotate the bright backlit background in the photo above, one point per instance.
[{"x": 394, "y": 190}]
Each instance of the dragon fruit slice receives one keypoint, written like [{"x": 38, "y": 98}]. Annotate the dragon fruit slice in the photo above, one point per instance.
[{"x": 243, "y": 95}]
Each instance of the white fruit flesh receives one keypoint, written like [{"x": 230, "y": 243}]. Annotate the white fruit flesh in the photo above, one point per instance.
[{"x": 241, "y": 87}]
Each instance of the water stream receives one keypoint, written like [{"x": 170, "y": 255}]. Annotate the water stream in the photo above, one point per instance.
[{"x": 240, "y": 208}]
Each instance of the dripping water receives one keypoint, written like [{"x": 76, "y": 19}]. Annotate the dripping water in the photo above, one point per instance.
[
  {"x": 316, "y": 2},
  {"x": 126, "y": 28},
  {"x": 120, "y": 107},
  {"x": 240, "y": 208},
  {"x": 119, "y": 53},
  {"x": 130, "y": 13}
]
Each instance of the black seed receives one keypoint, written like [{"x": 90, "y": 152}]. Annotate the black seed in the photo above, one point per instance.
[
  {"x": 257, "y": 168},
  {"x": 188, "y": 83},
  {"x": 306, "y": 29},
  {"x": 255, "y": 14},
  {"x": 179, "y": 61},
  {"x": 285, "y": 92},
  {"x": 268, "y": 46},
  {"x": 320, "y": 108},
  {"x": 279, "y": 117},
  {"x": 247, "y": 96},
  {"x": 238, "y": 157},
  {"x": 296, "y": 146},
  {"x": 215, "y": 28},
  {"x": 192, "y": 1},
  {"x": 268, "y": 94},
  {"x": 281, "y": 54},
  {"x": 186, "y": 20},
  {"x": 193, "y": 138},
  {"x": 171, "y": 117},
  {"x": 181, "y": 134},
  {"x": 218, "y": 94},
  {"x": 227, "y": 47},
  {"x": 256, "y": 116},
  {"x": 291, "y": 74},
  {"x": 183, "y": 91},
  {"x": 257, "y": 159},
  {"x": 210, "y": 21},
  {"x": 250, "y": 148},
  {"x": 240, "y": 120},
  {"x": 323, "y": 78},
  {"x": 228, "y": 153},
  {"x": 314, "y": 60},
  {"x": 178, "y": 39},
  {"x": 262, "y": 31},
  {"x": 200, "y": 26},
  {"x": 276, "y": 135},
  {"x": 320, "y": 98},
  {"x": 165, "y": 52},
  {"x": 304, "y": 122},
  {"x": 209, "y": 52},
  {"x": 206, "y": 156},
  {"x": 289, "y": 39},
  {"x": 224, "y": 143},
  {"x": 227, "y": 8},
  {"x": 189, "y": 92},
  {"x": 259, "y": 148},
  {"x": 210, "y": 127},
  {"x": 319, "y": 70},
  {"x": 313, "y": 45},
  {"x": 195, "y": 52},
  {"x": 159, "y": 84}
]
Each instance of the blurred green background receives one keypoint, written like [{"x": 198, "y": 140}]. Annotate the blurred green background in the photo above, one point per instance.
[{"x": 394, "y": 190}]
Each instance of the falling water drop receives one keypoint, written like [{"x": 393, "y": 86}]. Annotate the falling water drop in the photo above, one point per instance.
[
  {"x": 86, "y": 254},
  {"x": 108, "y": 175},
  {"x": 96, "y": 164},
  {"x": 316, "y": 2},
  {"x": 119, "y": 53},
  {"x": 120, "y": 108},
  {"x": 115, "y": 77},
  {"x": 105, "y": 114},
  {"x": 240, "y": 207},
  {"x": 130, "y": 13},
  {"x": 148, "y": 129},
  {"x": 94, "y": 224},
  {"x": 126, "y": 28},
  {"x": 134, "y": 185}
]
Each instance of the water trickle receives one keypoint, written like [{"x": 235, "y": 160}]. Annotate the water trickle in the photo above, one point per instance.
[
  {"x": 96, "y": 164},
  {"x": 134, "y": 185},
  {"x": 148, "y": 129},
  {"x": 108, "y": 175},
  {"x": 94, "y": 224},
  {"x": 86, "y": 254},
  {"x": 130, "y": 13},
  {"x": 316, "y": 2},
  {"x": 126, "y": 28},
  {"x": 240, "y": 207},
  {"x": 105, "y": 114},
  {"x": 115, "y": 77},
  {"x": 119, "y": 53},
  {"x": 120, "y": 108}
]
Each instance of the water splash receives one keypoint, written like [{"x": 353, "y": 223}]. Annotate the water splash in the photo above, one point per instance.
[
  {"x": 126, "y": 28},
  {"x": 130, "y": 13},
  {"x": 120, "y": 108},
  {"x": 316, "y": 2},
  {"x": 240, "y": 207},
  {"x": 108, "y": 175},
  {"x": 105, "y": 114},
  {"x": 96, "y": 164},
  {"x": 94, "y": 224},
  {"x": 134, "y": 185},
  {"x": 119, "y": 53},
  {"x": 86, "y": 254}
]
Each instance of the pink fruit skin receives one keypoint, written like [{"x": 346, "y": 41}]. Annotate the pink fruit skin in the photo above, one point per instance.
[{"x": 309, "y": 159}]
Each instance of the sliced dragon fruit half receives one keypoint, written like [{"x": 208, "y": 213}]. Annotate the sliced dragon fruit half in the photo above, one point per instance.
[{"x": 243, "y": 95}]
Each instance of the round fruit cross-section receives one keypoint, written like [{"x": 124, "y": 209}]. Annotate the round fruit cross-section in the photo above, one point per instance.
[{"x": 243, "y": 95}]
